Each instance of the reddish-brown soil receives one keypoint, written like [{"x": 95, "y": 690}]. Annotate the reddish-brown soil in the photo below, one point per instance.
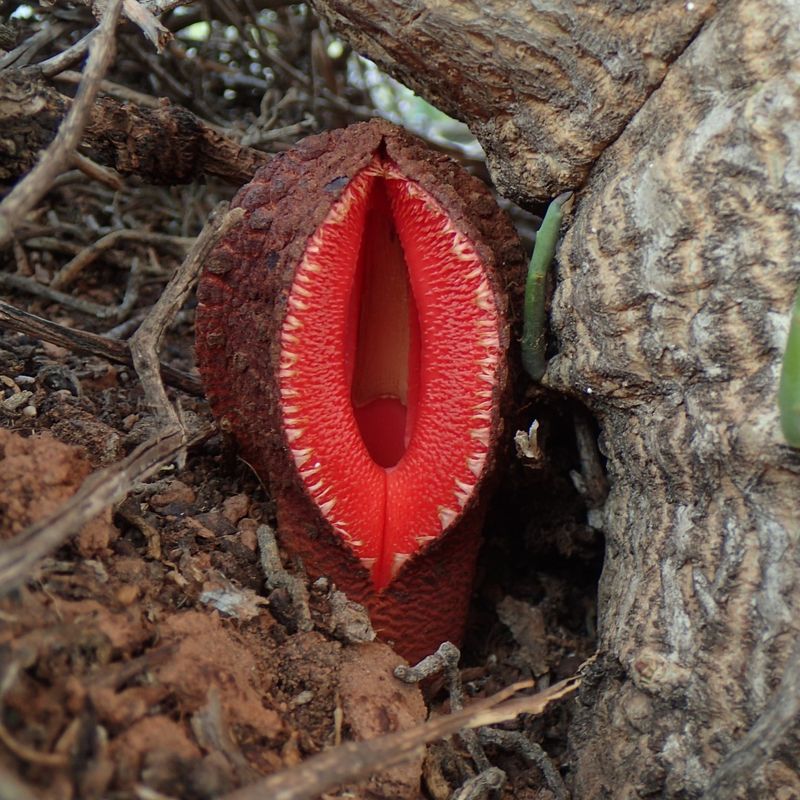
[{"x": 146, "y": 652}]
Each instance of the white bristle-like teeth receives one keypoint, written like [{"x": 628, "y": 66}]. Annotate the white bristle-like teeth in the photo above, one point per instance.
[
  {"x": 301, "y": 277},
  {"x": 446, "y": 516},
  {"x": 291, "y": 409},
  {"x": 475, "y": 465},
  {"x": 368, "y": 563},
  {"x": 465, "y": 487},
  {"x": 484, "y": 303},
  {"x": 397, "y": 562},
  {"x": 464, "y": 492},
  {"x": 301, "y": 455},
  {"x": 287, "y": 391},
  {"x": 316, "y": 487},
  {"x": 289, "y": 338},
  {"x": 311, "y": 471},
  {"x": 423, "y": 540},
  {"x": 293, "y": 434},
  {"x": 292, "y": 322},
  {"x": 480, "y": 435},
  {"x": 298, "y": 304},
  {"x": 302, "y": 291},
  {"x": 327, "y": 506}
]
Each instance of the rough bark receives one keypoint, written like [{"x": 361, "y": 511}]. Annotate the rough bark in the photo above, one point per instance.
[
  {"x": 544, "y": 86},
  {"x": 675, "y": 284},
  {"x": 165, "y": 145}
]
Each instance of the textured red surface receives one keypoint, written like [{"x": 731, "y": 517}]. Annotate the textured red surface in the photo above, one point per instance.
[{"x": 252, "y": 322}]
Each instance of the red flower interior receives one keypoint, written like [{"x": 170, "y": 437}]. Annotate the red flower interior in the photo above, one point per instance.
[{"x": 389, "y": 354}]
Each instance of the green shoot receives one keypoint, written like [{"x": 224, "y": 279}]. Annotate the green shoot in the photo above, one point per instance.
[
  {"x": 789, "y": 389},
  {"x": 534, "y": 319}
]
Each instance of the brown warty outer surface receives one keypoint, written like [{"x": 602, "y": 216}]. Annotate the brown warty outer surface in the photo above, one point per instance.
[{"x": 245, "y": 297}]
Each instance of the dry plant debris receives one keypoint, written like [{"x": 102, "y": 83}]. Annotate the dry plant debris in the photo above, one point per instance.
[{"x": 141, "y": 653}]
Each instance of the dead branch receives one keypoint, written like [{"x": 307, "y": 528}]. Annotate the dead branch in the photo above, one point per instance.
[
  {"x": 14, "y": 319},
  {"x": 164, "y": 145},
  {"x": 544, "y": 86},
  {"x": 24, "y": 196},
  {"x": 100, "y": 490},
  {"x": 145, "y": 343},
  {"x": 354, "y": 761}
]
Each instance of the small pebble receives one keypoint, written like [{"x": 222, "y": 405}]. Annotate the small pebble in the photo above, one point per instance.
[
  {"x": 247, "y": 536},
  {"x": 176, "y": 492},
  {"x": 127, "y": 594},
  {"x": 302, "y": 699},
  {"x": 17, "y": 400},
  {"x": 30, "y": 411},
  {"x": 235, "y": 507},
  {"x": 130, "y": 421}
]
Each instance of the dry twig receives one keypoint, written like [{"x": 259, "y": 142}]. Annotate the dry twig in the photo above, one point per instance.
[
  {"x": 25, "y": 284},
  {"x": 354, "y": 761},
  {"x": 89, "y": 343},
  {"x": 24, "y": 196},
  {"x": 145, "y": 343},
  {"x": 101, "y": 489},
  {"x": 71, "y": 270}
]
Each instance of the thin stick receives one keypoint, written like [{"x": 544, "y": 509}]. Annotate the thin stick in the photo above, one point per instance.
[
  {"x": 91, "y": 344},
  {"x": 145, "y": 343},
  {"x": 78, "y": 303},
  {"x": 71, "y": 270},
  {"x": 97, "y": 172},
  {"x": 115, "y": 90},
  {"x": 24, "y": 196},
  {"x": 21, "y": 55},
  {"x": 101, "y": 489},
  {"x": 57, "y": 63},
  {"x": 354, "y": 761}
]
